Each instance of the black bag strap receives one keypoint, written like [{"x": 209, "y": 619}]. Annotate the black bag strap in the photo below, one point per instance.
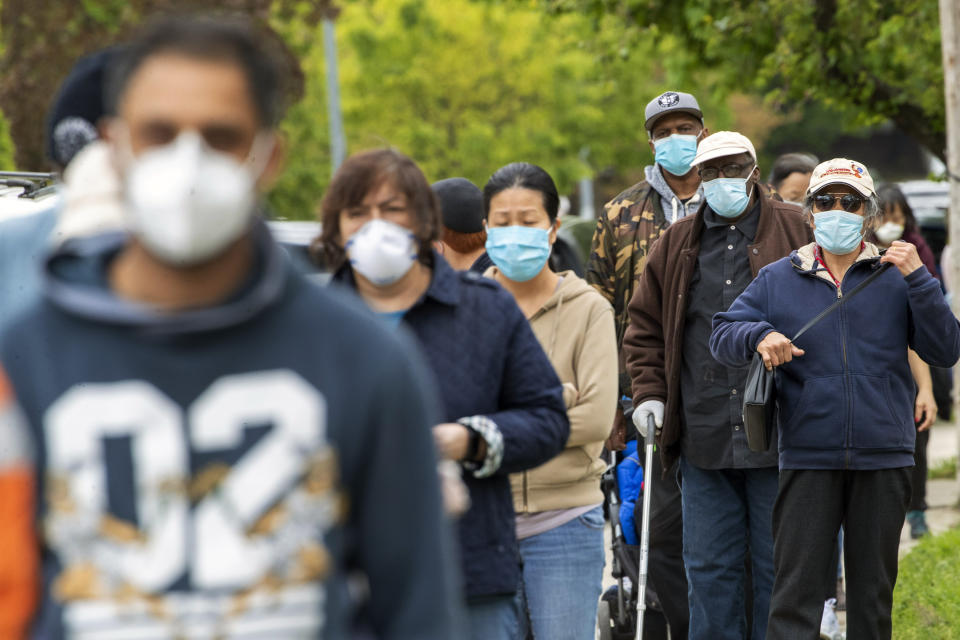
[{"x": 823, "y": 314}]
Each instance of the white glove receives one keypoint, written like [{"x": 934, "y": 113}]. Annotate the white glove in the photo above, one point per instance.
[{"x": 646, "y": 409}]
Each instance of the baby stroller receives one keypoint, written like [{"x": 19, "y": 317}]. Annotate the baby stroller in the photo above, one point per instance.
[{"x": 617, "y": 612}]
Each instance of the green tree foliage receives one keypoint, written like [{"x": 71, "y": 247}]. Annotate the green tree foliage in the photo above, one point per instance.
[
  {"x": 465, "y": 87},
  {"x": 871, "y": 59},
  {"x": 42, "y": 39}
]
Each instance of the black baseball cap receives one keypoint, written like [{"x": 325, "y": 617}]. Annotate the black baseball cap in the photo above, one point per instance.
[{"x": 461, "y": 205}]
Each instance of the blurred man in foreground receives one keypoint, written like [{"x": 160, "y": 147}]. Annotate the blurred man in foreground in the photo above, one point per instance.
[{"x": 210, "y": 444}]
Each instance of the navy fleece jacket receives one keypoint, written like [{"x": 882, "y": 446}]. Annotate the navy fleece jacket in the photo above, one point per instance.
[{"x": 847, "y": 403}]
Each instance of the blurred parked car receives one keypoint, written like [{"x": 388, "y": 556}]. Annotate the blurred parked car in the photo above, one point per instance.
[
  {"x": 296, "y": 236},
  {"x": 23, "y": 193}
]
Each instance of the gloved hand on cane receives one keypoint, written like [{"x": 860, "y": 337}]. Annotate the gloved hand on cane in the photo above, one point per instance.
[{"x": 646, "y": 409}]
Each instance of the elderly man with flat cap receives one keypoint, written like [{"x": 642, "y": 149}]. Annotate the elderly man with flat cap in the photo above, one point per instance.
[{"x": 697, "y": 268}]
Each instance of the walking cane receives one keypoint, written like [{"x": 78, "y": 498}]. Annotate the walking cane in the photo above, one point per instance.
[{"x": 648, "y": 437}]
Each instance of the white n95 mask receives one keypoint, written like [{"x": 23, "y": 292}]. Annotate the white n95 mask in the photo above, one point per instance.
[
  {"x": 186, "y": 203},
  {"x": 888, "y": 232},
  {"x": 381, "y": 251}
]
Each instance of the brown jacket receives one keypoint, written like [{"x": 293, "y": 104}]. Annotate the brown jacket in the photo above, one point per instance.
[{"x": 653, "y": 344}]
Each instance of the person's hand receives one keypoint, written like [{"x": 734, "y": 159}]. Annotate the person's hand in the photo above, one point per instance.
[
  {"x": 903, "y": 256},
  {"x": 776, "y": 349},
  {"x": 452, "y": 440},
  {"x": 646, "y": 409},
  {"x": 925, "y": 409},
  {"x": 456, "y": 496}
]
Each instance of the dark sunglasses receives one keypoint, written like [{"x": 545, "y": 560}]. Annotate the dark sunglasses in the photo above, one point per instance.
[{"x": 849, "y": 201}]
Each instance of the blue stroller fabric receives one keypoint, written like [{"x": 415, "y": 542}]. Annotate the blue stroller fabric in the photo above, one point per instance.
[{"x": 630, "y": 482}]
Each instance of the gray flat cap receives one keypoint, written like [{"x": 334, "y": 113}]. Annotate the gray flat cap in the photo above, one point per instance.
[{"x": 669, "y": 102}]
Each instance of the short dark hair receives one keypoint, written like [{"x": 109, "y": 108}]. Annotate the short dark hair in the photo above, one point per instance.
[
  {"x": 230, "y": 39},
  {"x": 464, "y": 242},
  {"x": 361, "y": 174},
  {"x": 890, "y": 195},
  {"x": 523, "y": 175},
  {"x": 789, "y": 163}
]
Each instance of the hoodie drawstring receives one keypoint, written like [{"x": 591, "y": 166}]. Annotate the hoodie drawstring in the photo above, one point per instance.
[{"x": 555, "y": 330}]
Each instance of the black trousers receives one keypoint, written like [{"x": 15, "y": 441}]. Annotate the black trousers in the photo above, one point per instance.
[
  {"x": 666, "y": 573},
  {"x": 918, "y": 475},
  {"x": 811, "y": 505}
]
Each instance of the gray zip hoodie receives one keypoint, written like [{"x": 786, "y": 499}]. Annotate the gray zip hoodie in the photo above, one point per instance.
[{"x": 673, "y": 207}]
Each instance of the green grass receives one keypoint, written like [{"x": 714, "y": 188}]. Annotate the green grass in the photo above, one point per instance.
[
  {"x": 926, "y": 602},
  {"x": 943, "y": 470}
]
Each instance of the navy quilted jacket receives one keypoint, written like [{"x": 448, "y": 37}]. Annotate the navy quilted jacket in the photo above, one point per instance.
[{"x": 488, "y": 362}]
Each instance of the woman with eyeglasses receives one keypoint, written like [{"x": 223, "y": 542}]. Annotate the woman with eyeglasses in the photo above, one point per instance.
[
  {"x": 502, "y": 404},
  {"x": 846, "y": 397}
]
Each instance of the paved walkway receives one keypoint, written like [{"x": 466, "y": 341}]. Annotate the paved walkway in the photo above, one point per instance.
[{"x": 942, "y": 495}]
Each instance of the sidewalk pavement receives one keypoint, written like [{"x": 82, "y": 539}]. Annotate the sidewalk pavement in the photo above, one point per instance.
[{"x": 942, "y": 495}]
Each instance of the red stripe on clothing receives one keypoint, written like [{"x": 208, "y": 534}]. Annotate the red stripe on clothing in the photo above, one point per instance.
[{"x": 19, "y": 561}]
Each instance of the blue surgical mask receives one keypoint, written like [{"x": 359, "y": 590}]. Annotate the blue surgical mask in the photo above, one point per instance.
[
  {"x": 519, "y": 252},
  {"x": 675, "y": 153},
  {"x": 838, "y": 231},
  {"x": 727, "y": 197}
]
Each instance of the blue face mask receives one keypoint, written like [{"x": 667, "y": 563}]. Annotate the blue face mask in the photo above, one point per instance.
[
  {"x": 727, "y": 197},
  {"x": 676, "y": 153},
  {"x": 519, "y": 252},
  {"x": 838, "y": 231}
]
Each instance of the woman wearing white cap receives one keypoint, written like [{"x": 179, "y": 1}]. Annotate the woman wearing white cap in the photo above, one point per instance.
[{"x": 845, "y": 397}]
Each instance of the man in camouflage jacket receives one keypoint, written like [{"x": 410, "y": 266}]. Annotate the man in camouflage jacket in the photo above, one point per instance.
[
  {"x": 629, "y": 225},
  {"x": 634, "y": 219}
]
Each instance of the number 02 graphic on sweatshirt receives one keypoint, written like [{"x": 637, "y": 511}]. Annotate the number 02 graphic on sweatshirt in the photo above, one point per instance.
[{"x": 258, "y": 522}]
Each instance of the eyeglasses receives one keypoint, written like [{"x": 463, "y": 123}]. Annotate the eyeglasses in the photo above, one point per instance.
[
  {"x": 849, "y": 201},
  {"x": 729, "y": 171}
]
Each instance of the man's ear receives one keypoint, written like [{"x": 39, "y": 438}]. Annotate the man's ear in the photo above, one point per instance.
[
  {"x": 439, "y": 246},
  {"x": 274, "y": 166}
]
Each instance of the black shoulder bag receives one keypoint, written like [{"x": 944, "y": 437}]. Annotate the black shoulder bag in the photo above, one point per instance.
[{"x": 760, "y": 396}]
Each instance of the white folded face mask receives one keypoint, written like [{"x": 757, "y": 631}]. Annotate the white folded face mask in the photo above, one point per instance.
[
  {"x": 185, "y": 202},
  {"x": 381, "y": 251},
  {"x": 888, "y": 232}
]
